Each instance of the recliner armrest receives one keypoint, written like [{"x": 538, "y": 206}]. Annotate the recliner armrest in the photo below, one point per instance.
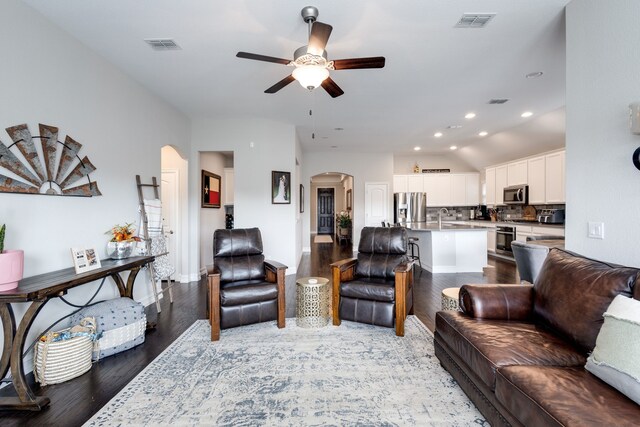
[
  {"x": 497, "y": 302},
  {"x": 344, "y": 264},
  {"x": 404, "y": 267},
  {"x": 213, "y": 270},
  {"x": 274, "y": 265}
]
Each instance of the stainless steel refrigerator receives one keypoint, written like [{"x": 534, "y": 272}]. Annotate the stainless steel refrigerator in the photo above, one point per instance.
[{"x": 409, "y": 208}]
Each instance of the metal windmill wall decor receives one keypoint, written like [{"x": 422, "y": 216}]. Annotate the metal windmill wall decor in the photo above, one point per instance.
[{"x": 35, "y": 178}]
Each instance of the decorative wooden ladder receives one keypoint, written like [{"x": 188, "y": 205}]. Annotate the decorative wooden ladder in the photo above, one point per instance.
[{"x": 147, "y": 240}]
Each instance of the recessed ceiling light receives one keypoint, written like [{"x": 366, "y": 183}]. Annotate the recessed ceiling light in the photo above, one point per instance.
[
  {"x": 534, "y": 74},
  {"x": 453, "y": 147},
  {"x": 437, "y": 134},
  {"x": 416, "y": 148},
  {"x": 454, "y": 127},
  {"x": 483, "y": 133},
  {"x": 470, "y": 115},
  {"x": 526, "y": 114}
]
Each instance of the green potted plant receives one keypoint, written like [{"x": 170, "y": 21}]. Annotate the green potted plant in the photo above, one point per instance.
[
  {"x": 344, "y": 223},
  {"x": 11, "y": 265}
]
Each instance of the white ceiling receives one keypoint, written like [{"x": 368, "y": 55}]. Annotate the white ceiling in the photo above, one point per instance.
[{"x": 434, "y": 73}]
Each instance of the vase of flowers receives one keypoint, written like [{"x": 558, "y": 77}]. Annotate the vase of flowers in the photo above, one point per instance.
[
  {"x": 122, "y": 241},
  {"x": 11, "y": 265}
]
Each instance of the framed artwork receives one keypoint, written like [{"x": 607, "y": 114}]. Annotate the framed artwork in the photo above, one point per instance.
[
  {"x": 280, "y": 188},
  {"x": 301, "y": 198},
  {"x": 349, "y": 199},
  {"x": 211, "y": 190},
  {"x": 85, "y": 259}
]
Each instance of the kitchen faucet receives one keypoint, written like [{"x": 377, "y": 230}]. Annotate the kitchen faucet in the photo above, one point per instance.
[{"x": 445, "y": 210}]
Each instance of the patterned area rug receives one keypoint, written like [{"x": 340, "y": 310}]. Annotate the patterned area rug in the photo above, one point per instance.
[
  {"x": 322, "y": 239},
  {"x": 259, "y": 375}
]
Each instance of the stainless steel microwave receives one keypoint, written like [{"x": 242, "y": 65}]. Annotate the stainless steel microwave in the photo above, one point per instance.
[{"x": 516, "y": 195}]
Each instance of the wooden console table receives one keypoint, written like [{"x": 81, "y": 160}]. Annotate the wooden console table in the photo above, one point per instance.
[{"x": 38, "y": 290}]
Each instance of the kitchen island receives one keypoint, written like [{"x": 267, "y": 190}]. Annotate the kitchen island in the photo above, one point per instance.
[{"x": 451, "y": 248}]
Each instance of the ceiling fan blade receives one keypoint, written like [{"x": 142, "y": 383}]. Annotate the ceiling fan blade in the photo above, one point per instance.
[
  {"x": 318, "y": 38},
  {"x": 282, "y": 83},
  {"x": 257, "y": 57},
  {"x": 332, "y": 88},
  {"x": 354, "y": 63}
]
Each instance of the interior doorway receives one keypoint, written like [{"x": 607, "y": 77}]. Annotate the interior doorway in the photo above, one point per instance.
[
  {"x": 173, "y": 194},
  {"x": 326, "y": 210}
]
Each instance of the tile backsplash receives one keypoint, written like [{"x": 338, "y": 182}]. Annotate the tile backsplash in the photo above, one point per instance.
[{"x": 462, "y": 213}]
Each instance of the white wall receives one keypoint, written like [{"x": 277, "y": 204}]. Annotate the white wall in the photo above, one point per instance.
[
  {"x": 364, "y": 167},
  {"x": 603, "y": 69},
  {"x": 53, "y": 79},
  {"x": 211, "y": 219},
  {"x": 274, "y": 148}
]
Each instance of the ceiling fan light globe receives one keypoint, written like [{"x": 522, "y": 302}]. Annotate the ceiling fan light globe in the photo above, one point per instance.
[{"x": 310, "y": 76}]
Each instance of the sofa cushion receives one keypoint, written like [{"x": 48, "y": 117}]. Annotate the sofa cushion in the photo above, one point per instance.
[
  {"x": 572, "y": 292},
  {"x": 615, "y": 358},
  {"x": 489, "y": 344},
  {"x": 557, "y": 396}
]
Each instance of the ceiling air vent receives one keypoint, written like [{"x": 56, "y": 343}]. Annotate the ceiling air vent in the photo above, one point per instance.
[
  {"x": 497, "y": 101},
  {"x": 474, "y": 20},
  {"x": 162, "y": 44}
]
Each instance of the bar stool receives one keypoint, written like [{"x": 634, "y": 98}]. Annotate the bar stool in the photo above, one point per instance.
[{"x": 413, "y": 245}]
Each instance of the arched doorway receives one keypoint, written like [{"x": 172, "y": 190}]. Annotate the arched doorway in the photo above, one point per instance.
[{"x": 331, "y": 196}]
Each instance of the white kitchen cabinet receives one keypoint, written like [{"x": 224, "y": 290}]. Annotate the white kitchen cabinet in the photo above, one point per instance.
[
  {"x": 501, "y": 182},
  {"x": 400, "y": 184},
  {"x": 491, "y": 240},
  {"x": 522, "y": 232},
  {"x": 536, "y": 179},
  {"x": 414, "y": 183},
  {"x": 443, "y": 190},
  {"x": 490, "y": 186},
  {"x": 458, "y": 190},
  {"x": 472, "y": 184},
  {"x": 517, "y": 173},
  {"x": 554, "y": 177},
  {"x": 228, "y": 184},
  {"x": 547, "y": 231}
]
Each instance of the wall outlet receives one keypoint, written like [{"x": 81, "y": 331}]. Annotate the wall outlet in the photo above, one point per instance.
[{"x": 596, "y": 230}]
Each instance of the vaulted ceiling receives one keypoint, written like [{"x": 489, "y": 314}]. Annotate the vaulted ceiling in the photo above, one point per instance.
[{"x": 435, "y": 73}]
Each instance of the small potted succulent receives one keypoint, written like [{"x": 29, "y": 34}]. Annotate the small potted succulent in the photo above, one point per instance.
[
  {"x": 11, "y": 265},
  {"x": 122, "y": 241}
]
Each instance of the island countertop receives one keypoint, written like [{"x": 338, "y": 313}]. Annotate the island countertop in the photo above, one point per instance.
[{"x": 433, "y": 226}]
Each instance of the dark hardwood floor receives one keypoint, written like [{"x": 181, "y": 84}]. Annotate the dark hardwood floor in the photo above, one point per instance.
[{"x": 74, "y": 402}]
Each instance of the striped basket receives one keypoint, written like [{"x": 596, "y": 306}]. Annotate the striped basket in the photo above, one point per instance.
[
  {"x": 59, "y": 361},
  {"x": 120, "y": 339}
]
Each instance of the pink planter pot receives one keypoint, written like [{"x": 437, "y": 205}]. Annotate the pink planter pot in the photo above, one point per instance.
[{"x": 11, "y": 269}]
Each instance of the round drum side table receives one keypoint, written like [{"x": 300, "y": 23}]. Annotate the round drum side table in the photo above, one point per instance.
[
  {"x": 450, "y": 299},
  {"x": 313, "y": 297}
]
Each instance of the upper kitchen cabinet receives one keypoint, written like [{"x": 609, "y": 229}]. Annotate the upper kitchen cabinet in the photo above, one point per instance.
[
  {"x": 458, "y": 190},
  {"x": 554, "y": 174},
  {"x": 543, "y": 174},
  {"x": 536, "y": 179},
  {"x": 501, "y": 182},
  {"x": 414, "y": 183},
  {"x": 517, "y": 173},
  {"x": 472, "y": 184},
  {"x": 400, "y": 184},
  {"x": 490, "y": 186}
]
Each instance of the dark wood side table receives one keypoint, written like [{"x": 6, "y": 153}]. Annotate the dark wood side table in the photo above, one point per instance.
[{"x": 38, "y": 290}]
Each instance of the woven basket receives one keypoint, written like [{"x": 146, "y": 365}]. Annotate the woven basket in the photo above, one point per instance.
[
  {"x": 59, "y": 361},
  {"x": 119, "y": 339}
]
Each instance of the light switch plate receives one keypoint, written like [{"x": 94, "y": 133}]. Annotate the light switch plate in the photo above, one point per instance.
[{"x": 596, "y": 230}]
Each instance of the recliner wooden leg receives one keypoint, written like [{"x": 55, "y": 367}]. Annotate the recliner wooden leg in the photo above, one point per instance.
[{"x": 214, "y": 307}]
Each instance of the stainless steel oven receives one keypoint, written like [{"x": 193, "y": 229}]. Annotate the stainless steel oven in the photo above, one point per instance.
[{"x": 504, "y": 237}]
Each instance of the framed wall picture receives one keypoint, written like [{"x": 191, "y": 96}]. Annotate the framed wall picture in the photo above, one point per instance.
[
  {"x": 211, "y": 191},
  {"x": 349, "y": 199},
  {"x": 280, "y": 188},
  {"x": 301, "y": 198}
]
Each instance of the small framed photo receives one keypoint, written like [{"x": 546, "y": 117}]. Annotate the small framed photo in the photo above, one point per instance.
[
  {"x": 211, "y": 190},
  {"x": 349, "y": 199},
  {"x": 301, "y": 198},
  {"x": 85, "y": 259},
  {"x": 280, "y": 188}
]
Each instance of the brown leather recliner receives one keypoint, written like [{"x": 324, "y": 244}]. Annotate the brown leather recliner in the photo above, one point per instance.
[
  {"x": 243, "y": 287},
  {"x": 377, "y": 286}
]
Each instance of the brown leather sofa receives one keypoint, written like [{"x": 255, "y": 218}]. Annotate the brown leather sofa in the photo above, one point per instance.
[{"x": 518, "y": 351}]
